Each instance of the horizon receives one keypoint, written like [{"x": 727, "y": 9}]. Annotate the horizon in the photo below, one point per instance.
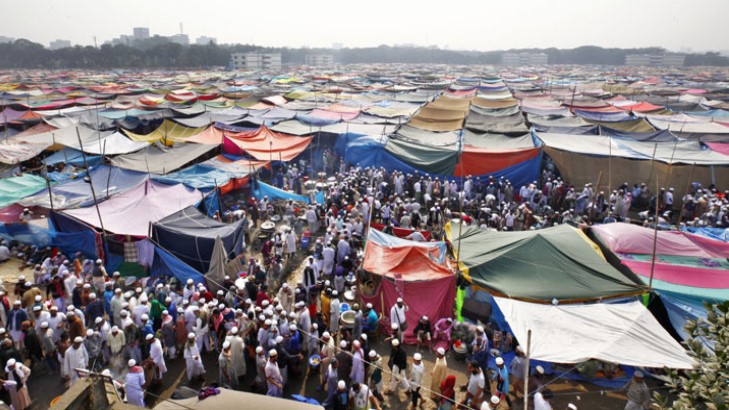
[{"x": 496, "y": 27}]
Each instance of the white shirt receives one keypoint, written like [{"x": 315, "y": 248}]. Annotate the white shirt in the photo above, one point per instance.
[
  {"x": 540, "y": 403},
  {"x": 397, "y": 314}
]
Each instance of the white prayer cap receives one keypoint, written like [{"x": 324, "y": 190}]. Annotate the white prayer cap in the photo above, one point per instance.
[
  {"x": 44, "y": 325},
  {"x": 38, "y": 298},
  {"x": 98, "y": 320},
  {"x": 36, "y": 308},
  {"x": 395, "y": 342},
  {"x": 399, "y": 300},
  {"x": 325, "y": 335},
  {"x": 499, "y": 361},
  {"x": 145, "y": 316},
  {"x": 292, "y": 328},
  {"x": 272, "y": 352},
  {"x": 441, "y": 351},
  {"x": 78, "y": 339},
  {"x": 540, "y": 369},
  {"x": 115, "y": 329},
  {"x": 373, "y": 353},
  {"x": 191, "y": 335},
  {"x": 341, "y": 385},
  {"x": 638, "y": 374},
  {"x": 234, "y": 330},
  {"x": 259, "y": 349},
  {"x": 226, "y": 344},
  {"x": 418, "y": 357},
  {"x": 131, "y": 363},
  {"x": 495, "y": 399},
  {"x": 149, "y": 336},
  {"x": 394, "y": 326},
  {"x": 11, "y": 363},
  {"x": 571, "y": 406},
  {"x": 479, "y": 329},
  {"x": 363, "y": 336}
]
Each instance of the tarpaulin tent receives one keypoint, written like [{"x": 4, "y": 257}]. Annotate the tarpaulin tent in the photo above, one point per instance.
[
  {"x": 112, "y": 144},
  {"x": 107, "y": 181},
  {"x": 14, "y": 153},
  {"x": 264, "y": 144},
  {"x": 260, "y": 189},
  {"x": 14, "y": 189},
  {"x": 416, "y": 271},
  {"x": 168, "y": 132},
  {"x": 165, "y": 264},
  {"x": 72, "y": 156},
  {"x": 580, "y": 160},
  {"x": 190, "y": 236},
  {"x": 542, "y": 265},
  {"x": 685, "y": 264},
  {"x": 159, "y": 159},
  {"x": 624, "y": 333},
  {"x": 132, "y": 212}
]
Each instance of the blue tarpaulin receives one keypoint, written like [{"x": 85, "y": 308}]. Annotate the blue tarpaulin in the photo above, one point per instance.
[
  {"x": 68, "y": 243},
  {"x": 165, "y": 264},
  {"x": 73, "y": 157},
  {"x": 720, "y": 234},
  {"x": 261, "y": 189},
  {"x": 196, "y": 176}
]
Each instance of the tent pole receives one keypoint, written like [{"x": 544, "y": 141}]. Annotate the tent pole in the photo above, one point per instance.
[
  {"x": 48, "y": 183},
  {"x": 91, "y": 184},
  {"x": 526, "y": 369},
  {"x": 655, "y": 237},
  {"x": 688, "y": 185}
]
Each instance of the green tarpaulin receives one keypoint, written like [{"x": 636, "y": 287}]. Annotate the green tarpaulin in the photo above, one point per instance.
[
  {"x": 16, "y": 188},
  {"x": 440, "y": 160},
  {"x": 554, "y": 263}
]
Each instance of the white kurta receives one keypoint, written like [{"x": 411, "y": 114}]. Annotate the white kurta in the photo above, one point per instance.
[
  {"x": 193, "y": 363},
  {"x": 158, "y": 357},
  {"x": 134, "y": 387},
  {"x": 75, "y": 359},
  {"x": 237, "y": 356}
]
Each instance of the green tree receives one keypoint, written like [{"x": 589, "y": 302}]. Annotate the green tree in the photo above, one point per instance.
[{"x": 706, "y": 386}]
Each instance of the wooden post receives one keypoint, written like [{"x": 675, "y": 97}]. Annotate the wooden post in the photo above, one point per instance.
[
  {"x": 526, "y": 369},
  {"x": 91, "y": 183}
]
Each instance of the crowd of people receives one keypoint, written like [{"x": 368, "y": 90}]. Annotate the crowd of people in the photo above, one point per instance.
[{"x": 70, "y": 316}]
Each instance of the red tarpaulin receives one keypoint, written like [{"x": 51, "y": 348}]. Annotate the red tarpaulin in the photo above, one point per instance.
[
  {"x": 410, "y": 263},
  {"x": 720, "y": 147},
  {"x": 264, "y": 144},
  {"x": 481, "y": 161}
]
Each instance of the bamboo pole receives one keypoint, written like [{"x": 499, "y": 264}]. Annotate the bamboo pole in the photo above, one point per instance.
[{"x": 526, "y": 369}]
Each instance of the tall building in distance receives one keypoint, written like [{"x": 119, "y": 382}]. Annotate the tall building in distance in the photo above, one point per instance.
[
  {"x": 524, "y": 59},
  {"x": 181, "y": 39},
  {"x": 255, "y": 61},
  {"x": 319, "y": 60},
  {"x": 205, "y": 40},
  {"x": 655, "y": 60},
  {"x": 58, "y": 44},
  {"x": 140, "y": 33}
]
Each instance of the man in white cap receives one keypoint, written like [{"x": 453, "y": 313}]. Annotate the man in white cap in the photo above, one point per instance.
[
  {"x": 116, "y": 306},
  {"x": 517, "y": 367},
  {"x": 542, "y": 400},
  {"x": 16, "y": 317},
  {"x": 116, "y": 342},
  {"x": 49, "y": 346},
  {"x": 327, "y": 355},
  {"x": 571, "y": 407},
  {"x": 193, "y": 362},
  {"x": 261, "y": 360},
  {"x": 416, "y": 378},
  {"x": 237, "y": 355},
  {"x": 334, "y": 313},
  {"x": 273, "y": 375},
  {"x": 398, "y": 316},
  {"x": 225, "y": 367},
  {"x": 501, "y": 377},
  {"x": 492, "y": 404},
  {"x": 16, "y": 384},
  {"x": 439, "y": 373},
  {"x": 398, "y": 365},
  {"x": 286, "y": 297},
  {"x": 157, "y": 354},
  {"x": 134, "y": 384},
  {"x": 98, "y": 275},
  {"x": 639, "y": 396},
  {"x": 76, "y": 357}
]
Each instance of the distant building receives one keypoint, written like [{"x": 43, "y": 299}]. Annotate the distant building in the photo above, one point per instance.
[
  {"x": 140, "y": 33},
  {"x": 181, "y": 39},
  {"x": 255, "y": 61},
  {"x": 4, "y": 39},
  {"x": 58, "y": 44},
  {"x": 655, "y": 60},
  {"x": 524, "y": 59},
  {"x": 205, "y": 40},
  {"x": 319, "y": 60}
]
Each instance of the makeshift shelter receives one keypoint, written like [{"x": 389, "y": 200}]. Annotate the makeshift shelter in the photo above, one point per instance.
[
  {"x": 132, "y": 212},
  {"x": 265, "y": 145},
  {"x": 159, "y": 159},
  {"x": 190, "y": 236},
  {"x": 14, "y": 189},
  {"x": 168, "y": 132},
  {"x": 624, "y": 333},
  {"x": 540, "y": 266},
  {"x": 415, "y": 271}
]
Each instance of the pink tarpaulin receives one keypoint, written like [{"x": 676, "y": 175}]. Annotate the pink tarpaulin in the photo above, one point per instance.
[
  {"x": 434, "y": 298},
  {"x": 264, "y": 144},
  {"x": 720, "y": 147},
  {"x": 627, "y": 238},
  {"x": 681, "y": 275},
  {"x": 131, "y": 213},
  {"x": 332, "y": 115}
]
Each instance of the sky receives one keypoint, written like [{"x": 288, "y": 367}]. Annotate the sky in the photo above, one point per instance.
[{"x": 483, "y": 25}]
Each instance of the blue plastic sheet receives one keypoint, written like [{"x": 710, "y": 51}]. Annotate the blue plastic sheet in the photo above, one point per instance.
[
  {"x": 73, "y": 157},
  {"x": 720, "y": 234},
  {"x": 165, "y": 264},
  {"x": 195, "y": 176},
  {"x": 68, "y": 243},
  {"x": 261, "y": 189}
]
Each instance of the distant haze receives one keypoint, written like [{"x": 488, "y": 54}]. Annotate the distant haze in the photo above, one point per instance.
[{"x": 456, "y": 24}]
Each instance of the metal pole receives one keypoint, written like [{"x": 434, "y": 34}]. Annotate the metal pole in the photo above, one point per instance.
[{"x": 526, "y": 369}]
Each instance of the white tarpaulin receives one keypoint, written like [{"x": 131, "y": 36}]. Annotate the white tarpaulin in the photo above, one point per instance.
[{"x": 625, "y": 333}]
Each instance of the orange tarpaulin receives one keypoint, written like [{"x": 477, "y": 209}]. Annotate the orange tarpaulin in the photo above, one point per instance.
[
  {"x": 408, "y": 263},
  {"x": 480, "y": 161},
  {"x": 264, "y": 144},
  {"x": 211, "y": 135}
]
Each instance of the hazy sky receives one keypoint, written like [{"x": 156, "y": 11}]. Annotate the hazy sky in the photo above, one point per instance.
[{"x": 457, "y": 24}]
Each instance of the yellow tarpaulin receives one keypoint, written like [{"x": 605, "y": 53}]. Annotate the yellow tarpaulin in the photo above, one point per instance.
[{"x": 169, "y": 132}]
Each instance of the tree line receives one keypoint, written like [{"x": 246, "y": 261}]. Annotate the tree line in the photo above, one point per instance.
[{"x": 24, "y": 54}]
